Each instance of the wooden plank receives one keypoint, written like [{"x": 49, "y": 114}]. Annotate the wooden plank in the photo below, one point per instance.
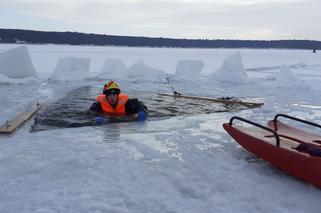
[
  {"x": 217, "y": 100},
  {"x": 11, "y": 125}
]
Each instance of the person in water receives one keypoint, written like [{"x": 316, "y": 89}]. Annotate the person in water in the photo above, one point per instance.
[{"x": 116, "y": 104}]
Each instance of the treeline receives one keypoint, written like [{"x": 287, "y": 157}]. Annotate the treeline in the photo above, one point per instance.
[{"x": 75, "y": 38}]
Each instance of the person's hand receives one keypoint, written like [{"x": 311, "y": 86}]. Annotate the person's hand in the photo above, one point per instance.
[
  {"x": 100, "y": 120},
  {"x": 141, "y": 116}
]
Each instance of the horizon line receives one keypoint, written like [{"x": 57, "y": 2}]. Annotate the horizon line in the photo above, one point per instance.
[{"x": 137, "y": 36}]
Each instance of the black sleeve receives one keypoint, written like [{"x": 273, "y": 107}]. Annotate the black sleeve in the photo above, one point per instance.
[
  {"x": 96, "y": 107},
  {"x": 133, "y": 106}
]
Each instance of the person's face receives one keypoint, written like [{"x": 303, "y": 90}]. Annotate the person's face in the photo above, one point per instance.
[{"x": 112, "y": 97}]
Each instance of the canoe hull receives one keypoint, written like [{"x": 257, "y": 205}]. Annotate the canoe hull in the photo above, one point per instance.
[{"x": 301, "y": 165}]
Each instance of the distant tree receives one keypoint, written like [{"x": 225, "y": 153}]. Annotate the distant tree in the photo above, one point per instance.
[{"x": 76, "y": 38}]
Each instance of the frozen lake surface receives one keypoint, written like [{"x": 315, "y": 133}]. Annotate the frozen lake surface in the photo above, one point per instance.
[{"x": 180, "y": 160}]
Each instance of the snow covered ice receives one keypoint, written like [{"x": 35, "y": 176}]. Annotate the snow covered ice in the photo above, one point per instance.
[{"x": 180, "y": 164}]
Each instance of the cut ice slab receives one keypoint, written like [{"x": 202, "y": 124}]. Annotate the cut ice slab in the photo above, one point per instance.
[
  {"x": 188, "y": 70},
  {"x": 232, "y": 70},
  {"x": 16, "y": 63},
  {"x": 71, "y": 68}
]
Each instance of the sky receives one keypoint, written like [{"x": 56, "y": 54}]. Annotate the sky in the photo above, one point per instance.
[{"x": 193, "y": 19}]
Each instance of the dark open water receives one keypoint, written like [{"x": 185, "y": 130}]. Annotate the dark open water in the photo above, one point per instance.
[{"x": 72, "y": 109}]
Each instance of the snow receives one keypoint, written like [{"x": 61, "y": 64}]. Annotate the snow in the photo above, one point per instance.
[
  {"x": 232, "y": 70},
  {"x": 71, "y": 68},
  {"x": 16, "y": 63},
  {"x": 188, "y": 70},
  {"x": 180, "y": 164},
  {"x": 113, "y": 69}
]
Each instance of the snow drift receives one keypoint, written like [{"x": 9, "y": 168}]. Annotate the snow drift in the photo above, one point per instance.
[
  {"x": 231, "y": 71},
  {"x": 16, "y": 63}
]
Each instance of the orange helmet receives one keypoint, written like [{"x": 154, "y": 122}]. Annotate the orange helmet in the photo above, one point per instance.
[{"x": 111, "y": 86}]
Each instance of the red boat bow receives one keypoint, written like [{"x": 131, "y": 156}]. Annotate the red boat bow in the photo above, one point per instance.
[{"x": 278, "y": 146}]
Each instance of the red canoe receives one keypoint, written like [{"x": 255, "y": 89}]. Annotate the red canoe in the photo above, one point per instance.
[{"x": 279, "y": 143}]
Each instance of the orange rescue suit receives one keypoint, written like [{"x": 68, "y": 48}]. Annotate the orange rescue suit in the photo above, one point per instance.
[{"x": 107, "y": 109}]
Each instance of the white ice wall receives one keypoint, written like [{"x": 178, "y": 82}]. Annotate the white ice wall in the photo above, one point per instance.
[
  {"x": 113, "y": 69},
  {"x": 71, "y": 68},
  {"x": 232, "y": 70},
  {"x": 17, "y": 63},
  {"x": 140, "y": 71},
  {"x": 188, "y": 70}
]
